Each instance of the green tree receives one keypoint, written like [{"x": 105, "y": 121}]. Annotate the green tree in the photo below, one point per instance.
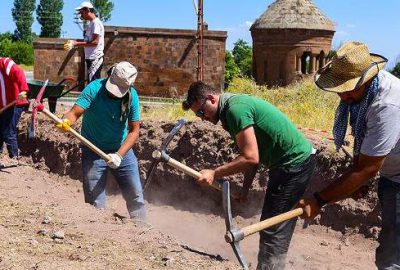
[
  {"x": 50, "y": 17},
  {"x": 103, "y": 9},
  {"x": 396, "y": 70},
  {"x": 22, "y": 14},
  {"x": 243, "y": 56},
  {"x": 231, "y": 69}
]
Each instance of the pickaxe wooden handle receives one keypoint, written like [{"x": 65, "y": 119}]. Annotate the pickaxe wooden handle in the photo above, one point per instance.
[
  {"x": 85, "y": 141},
  {"x": 12, "y": 103},
  {"x": 183, "y": 168}
]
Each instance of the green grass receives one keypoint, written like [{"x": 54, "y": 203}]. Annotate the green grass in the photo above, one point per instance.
[
  {"x": 26, "y": 68},
  {"x": 302, "y": 102}
]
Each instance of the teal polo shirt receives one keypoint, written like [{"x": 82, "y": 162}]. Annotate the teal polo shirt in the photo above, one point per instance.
[{"x": 101, "y": 123}]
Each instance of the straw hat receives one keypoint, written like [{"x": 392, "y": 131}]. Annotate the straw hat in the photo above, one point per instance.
[{"x": 351, "y": 67}]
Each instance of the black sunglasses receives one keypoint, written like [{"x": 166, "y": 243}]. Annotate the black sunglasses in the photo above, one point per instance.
[{"x": 200, "y": 112}]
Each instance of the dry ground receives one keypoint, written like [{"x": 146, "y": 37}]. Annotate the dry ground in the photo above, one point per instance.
[{"x": 44, "y": 223}]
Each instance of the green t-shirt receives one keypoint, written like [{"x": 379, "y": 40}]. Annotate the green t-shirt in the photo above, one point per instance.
[{"x": 280, "y": 144}]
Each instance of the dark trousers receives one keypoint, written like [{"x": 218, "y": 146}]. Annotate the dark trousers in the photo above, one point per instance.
[
  {"x": 388, "y": 251},
  {"x": 97, "y": 74},
  {"x": 8, "y": 130},
  {"x": 285, "y": 188}
]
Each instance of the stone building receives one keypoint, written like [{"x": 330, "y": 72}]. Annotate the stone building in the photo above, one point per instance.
[
  {"x": 165, "y": 58},
  {"x": 291, "y": 40}
]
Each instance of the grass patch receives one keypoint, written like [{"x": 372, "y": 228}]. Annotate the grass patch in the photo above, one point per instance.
[
  {"x": 302, "y": 102},
  {"x": 25, "y": 67}
]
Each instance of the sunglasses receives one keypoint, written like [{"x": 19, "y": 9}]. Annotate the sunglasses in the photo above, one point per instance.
[{"x": 200, "y": 112}]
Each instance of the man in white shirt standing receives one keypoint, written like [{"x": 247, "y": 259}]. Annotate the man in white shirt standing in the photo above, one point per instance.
[{"x": 93, "y": 42}]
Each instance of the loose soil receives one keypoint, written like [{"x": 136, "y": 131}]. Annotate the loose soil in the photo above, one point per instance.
[{"x": 45, "y": 224}]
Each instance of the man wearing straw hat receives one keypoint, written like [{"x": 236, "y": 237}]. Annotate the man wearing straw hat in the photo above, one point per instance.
[{"x": 370, "y": 101}]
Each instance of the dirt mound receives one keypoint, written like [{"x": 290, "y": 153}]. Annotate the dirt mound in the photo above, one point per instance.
[
  {"x": 202, "y": 145},
  {"x": 177, "y": 206}
]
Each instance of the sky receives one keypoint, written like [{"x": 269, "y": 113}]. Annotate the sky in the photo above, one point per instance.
[{"x": 376, "y": 23}]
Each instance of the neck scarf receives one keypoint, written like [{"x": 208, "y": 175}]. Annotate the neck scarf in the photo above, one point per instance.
[{"x": 357, "y": 114}]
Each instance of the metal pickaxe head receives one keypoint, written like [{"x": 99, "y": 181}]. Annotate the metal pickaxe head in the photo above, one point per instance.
[
  {"x": 37, "y": 106},
  {"x": 233, "y": 236},
  {"x": 163, "y": 149}
]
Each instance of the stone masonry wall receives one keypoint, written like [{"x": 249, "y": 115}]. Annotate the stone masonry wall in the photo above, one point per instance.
[
  {"x": 165, "y": 58},
  {"x": 276, "y": 53}
]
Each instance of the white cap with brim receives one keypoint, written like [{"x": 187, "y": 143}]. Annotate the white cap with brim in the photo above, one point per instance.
[
  {"x": 84, "y": 5},
  {"x": 122, "y": 76}
]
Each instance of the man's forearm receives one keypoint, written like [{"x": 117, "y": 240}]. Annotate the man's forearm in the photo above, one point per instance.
[
  {"x": 128, "y": 143},
  {"x": 239, "y": 164},
  {"x": 345, "y": 186}
]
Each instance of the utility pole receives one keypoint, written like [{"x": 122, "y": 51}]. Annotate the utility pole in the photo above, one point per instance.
[{"x": 200, "y": 41}]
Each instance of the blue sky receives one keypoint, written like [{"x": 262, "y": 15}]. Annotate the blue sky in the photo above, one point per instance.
[{"x": 376, "y": 23}]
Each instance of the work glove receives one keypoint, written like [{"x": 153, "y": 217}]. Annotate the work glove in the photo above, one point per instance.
[
  {"x": 65, "y": 125},
  {"x": 69, "y": 45},
  {"x": 115, "y": 160},
  {"x": 22, "y": 96}
]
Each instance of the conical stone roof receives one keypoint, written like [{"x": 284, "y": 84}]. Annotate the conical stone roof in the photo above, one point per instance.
[{"x": 293, "y": 14}]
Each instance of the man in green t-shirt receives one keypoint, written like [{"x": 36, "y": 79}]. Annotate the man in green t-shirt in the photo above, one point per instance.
[{"x": 264, "y": 135}]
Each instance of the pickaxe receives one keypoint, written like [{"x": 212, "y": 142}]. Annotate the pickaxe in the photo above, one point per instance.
[
  {"x": 163, "y": 148},
  {"x": 234, "y": 235},
  {"x": 12, "y": 103},
  {"x": 161, "y": 155},
  {"x": 38, "y": 107}
]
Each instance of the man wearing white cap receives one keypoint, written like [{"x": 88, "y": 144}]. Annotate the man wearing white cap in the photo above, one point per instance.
[
  {"x": 110, "y": 109},
  {"x": 370, "y": 102},
  {"x": 93, "y": 41}
]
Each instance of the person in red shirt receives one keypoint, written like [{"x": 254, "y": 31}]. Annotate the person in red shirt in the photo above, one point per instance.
[{"x": 13, "y": 88}]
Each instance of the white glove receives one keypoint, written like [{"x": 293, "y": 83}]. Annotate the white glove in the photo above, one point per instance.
[
  {"x": 115, "y": 160},
  {"x": 69, "y": 45}
]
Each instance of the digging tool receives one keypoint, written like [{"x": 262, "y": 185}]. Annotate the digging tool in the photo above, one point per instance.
[
  {"x": 38, "y": 107},
  {"x": 9, "y": 105},
  {"x": 163, "y": 156},
  {"x": 234, "y": 235},
  {"x": 163, "y": 148},
  {"x": 31, "y": 128}
]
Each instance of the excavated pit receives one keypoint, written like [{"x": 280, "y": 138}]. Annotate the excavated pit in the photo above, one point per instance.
[{"x": 193, "y": 214}]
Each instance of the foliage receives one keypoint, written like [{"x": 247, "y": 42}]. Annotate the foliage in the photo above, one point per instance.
[
  {"x": 22, "y": 14},
  {"x": 302, "y": 102},
  {"x": 243, "y": 56},
  {"x": 50, "y": 17},
  {"x": 231, "y": 69},
  {"x": 396, "y": 70},
  {"x": 19, "y": 51},
  {"x": 103, "y": 9}
]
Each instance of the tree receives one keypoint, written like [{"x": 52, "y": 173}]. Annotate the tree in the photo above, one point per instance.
[
  {"x": 396, "y": 70},
  {"x": 50, "y": 17},
  {"x": 22, "y": 14},
  {"x": 103, "y": 9},
  {"x": 243, "y": 56},
  {"x": 231, "y": 69}
]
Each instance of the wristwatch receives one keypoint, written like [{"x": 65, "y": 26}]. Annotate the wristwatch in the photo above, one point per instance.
[{"x": 321, "y": 202}]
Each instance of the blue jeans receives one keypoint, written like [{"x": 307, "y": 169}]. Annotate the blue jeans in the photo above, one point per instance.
[
  {"x": 127, "y": 176},
  {"x": 285, "y": 188},
  {"x": 8, "y": 130},
  {"x": 388, "y": 251}
]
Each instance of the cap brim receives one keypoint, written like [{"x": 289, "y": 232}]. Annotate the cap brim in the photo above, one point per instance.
[
  {"x": 325, "y": 79},
  {"x": 114, "y": 89}
]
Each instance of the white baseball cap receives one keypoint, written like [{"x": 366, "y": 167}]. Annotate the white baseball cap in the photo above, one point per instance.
[
  {"x": 84, "y": 5},
  {"x": 122, "y": 76}
]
